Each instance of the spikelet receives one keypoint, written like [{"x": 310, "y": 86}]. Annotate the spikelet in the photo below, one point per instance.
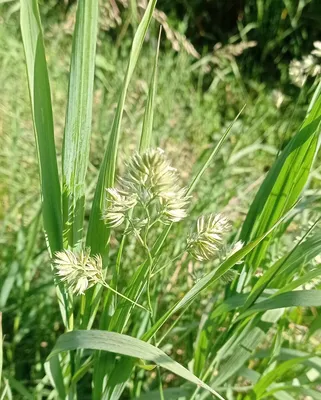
[
  {"x": 78, "y": 271},
  {"x": 207, "y": 241}
]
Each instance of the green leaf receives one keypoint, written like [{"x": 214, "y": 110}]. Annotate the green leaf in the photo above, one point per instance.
[
  {"x": 98, "y": 232},
  {"x": 125, "y": 345},
  {"x": 296, "y": 298},
  {"x": 54, "y": 373},
  {"x": 242, "y": 353},
  {"x": 298, "y": 256},
  {"x": 40, "y": 98},
  {"x": 282, "y": 185},
  {"x": 261, "y": 386},
  {"x": 78, "y": 120},
  {"x": 147, "y": 130}
]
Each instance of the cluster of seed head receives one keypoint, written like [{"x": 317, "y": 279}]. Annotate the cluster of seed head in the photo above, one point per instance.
[
  {"x": 300, "y": 70},
  {"x": 78, "y": 271},
  {"x": 207, "y": 241},
  {"x": 149, "y": 182}
]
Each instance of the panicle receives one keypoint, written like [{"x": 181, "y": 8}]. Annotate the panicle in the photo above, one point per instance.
[{"x": 150, "y": 181}]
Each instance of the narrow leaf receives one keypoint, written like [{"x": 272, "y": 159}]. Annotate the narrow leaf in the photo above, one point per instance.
[
  {"x": 146, "y": 136},
  {"x": 78, "y": 120},
  {"x": 125, "y": 345},
  {"x": 283, "y": 184},
  {"x": 98, "y": 232},
  {"x": 39, "y": 91}
]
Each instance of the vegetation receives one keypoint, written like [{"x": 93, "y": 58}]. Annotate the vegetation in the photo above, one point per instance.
[{"x": 174, "y": 251}]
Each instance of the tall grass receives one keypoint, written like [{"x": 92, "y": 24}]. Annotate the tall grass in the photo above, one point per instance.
[{"x": 125, "y": 299}]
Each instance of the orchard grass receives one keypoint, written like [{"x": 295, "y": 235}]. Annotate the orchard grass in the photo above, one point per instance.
[{"x": 149, "y": 270}]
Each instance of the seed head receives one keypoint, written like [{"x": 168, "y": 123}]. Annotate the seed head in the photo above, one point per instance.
[
  {"x": 208, "y": 239},
  {"x": 78, "y": 271},
  {"x": 175, "y": 207},
  {"x": 118, "y": 206},
  {"x": 152, "y": 183},
  {"x": 150, "y": 175}
]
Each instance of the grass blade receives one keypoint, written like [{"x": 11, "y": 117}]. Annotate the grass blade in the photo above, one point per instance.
[
  {"x": 78, "y": 120},
  {"x": 146, "y": 136},
  {"x": 126, "y": 345},
  {"x": 39, "y": 90},
  {"x": 98, "y": 232},
  {"x": 295, "y": 298},
  {"x": 283, "y": 184}
]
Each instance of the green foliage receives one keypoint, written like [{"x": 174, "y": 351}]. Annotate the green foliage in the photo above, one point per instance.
[{"x": 151, "y": 302}]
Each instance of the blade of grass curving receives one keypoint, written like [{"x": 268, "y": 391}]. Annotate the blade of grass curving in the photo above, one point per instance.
[
  {"x": 39, "y": 90},
  {"x": 282, "y": 185},
  {"x": 295, "y": 298},
  {"x": 125, "y": 345},
  {"x": 78, "y": 120},
  {"x": 98, "y": 232},
  {"x": 147, "y": 129}
]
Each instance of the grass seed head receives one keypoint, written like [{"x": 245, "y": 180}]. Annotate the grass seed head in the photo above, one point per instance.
[
  {"x": 78, "y": 271},
  {"x": 207, "y": 241}
]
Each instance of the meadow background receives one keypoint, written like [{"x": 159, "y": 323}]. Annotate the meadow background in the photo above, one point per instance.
[{"x": 215, "y": 57}]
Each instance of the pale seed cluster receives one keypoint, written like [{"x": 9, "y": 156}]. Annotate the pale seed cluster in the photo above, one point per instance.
[
  {"x": 152, "y": 184},
  {"x": 78, "y": 271},
  {"x": 207, "y": 241}
]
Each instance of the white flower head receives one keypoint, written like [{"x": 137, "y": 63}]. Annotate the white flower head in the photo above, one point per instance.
[
  {"x": 78, "y": 271},
  {"x": 207, "y": 241}
]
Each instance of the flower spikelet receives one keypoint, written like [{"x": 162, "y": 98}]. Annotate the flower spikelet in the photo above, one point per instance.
[
  {"x": 118, "y": 206},
  {"x": 175, "y": 207},
  {"x": 78, "y": 271},
  {"x": 150, "y": 175},
  {"x": 204, "y": 244}
]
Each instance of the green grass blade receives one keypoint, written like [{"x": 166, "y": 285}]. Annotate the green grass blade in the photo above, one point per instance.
[
  {"x": 213, "y": 154},
  {"x": 240, "y": 356},
  {"x": 145, "y": 140},
  {"x": 283, "y": 184},
  {"x": 98, "y": 232},
  {"x": 78, "y": 120},
  {"x": 39, "y": 91},
  {"x": 125, "y": 345},
  {"x": 301, "y": 254},
  {"x": 295, "y": 298},
  {"x": 261, "y": 386},
  {"x": 54, "y": 372}
]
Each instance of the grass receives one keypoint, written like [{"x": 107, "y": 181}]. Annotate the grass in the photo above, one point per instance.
[{"x": 251, "y": 333}]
